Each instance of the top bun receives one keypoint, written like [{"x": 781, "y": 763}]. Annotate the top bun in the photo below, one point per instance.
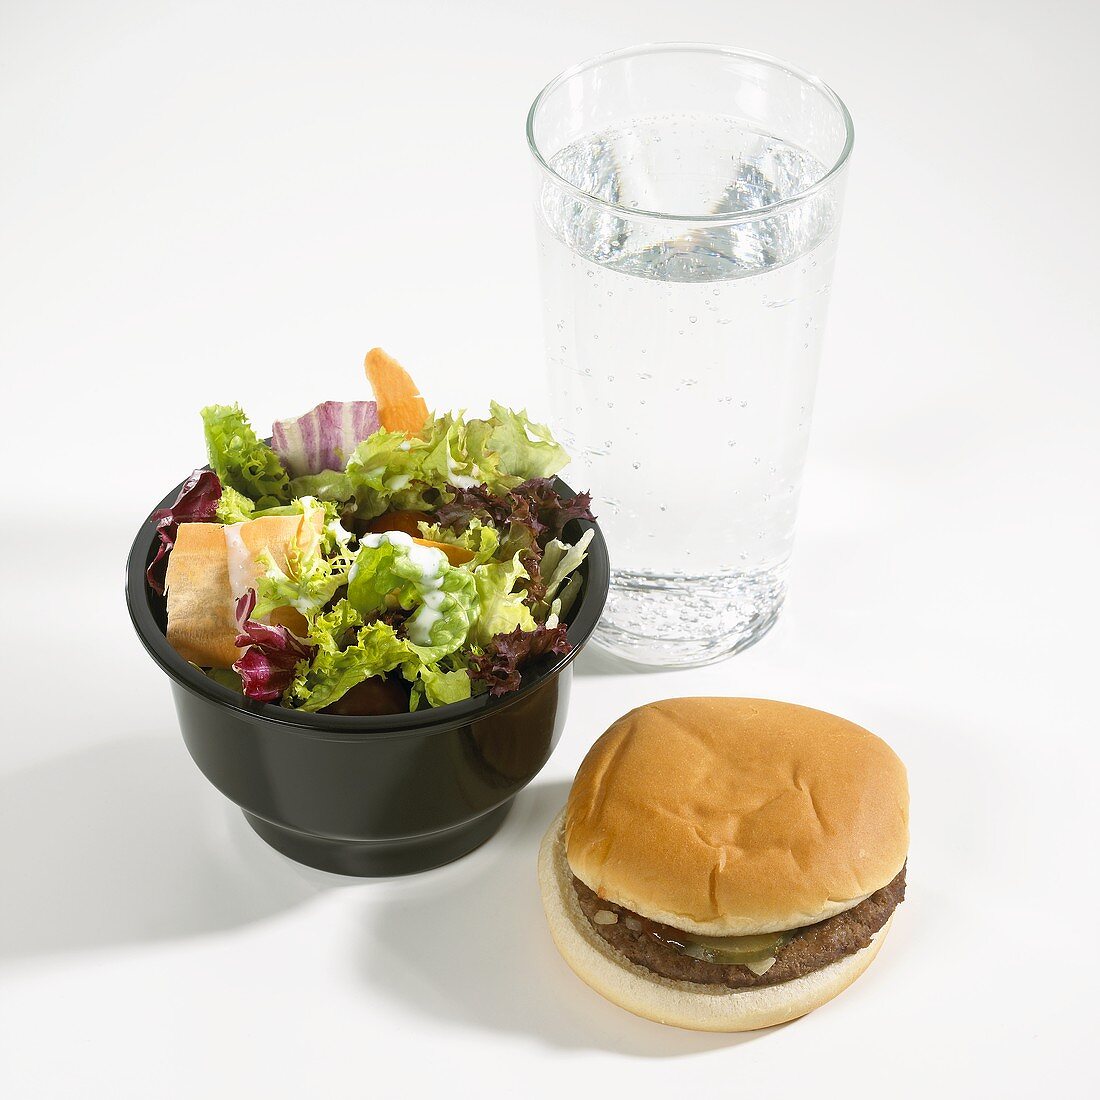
[{"x": 733, "y": 817}]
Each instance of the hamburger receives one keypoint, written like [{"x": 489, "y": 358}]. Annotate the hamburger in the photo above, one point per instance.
[{"x": 727, "y": 864}]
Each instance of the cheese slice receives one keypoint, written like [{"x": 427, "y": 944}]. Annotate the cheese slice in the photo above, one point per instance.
[{"x": 211, "y": 566}]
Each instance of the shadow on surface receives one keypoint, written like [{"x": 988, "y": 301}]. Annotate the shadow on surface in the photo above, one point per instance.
[
  {"x": 469, "y": 945},
  {"x": 594, "y": 661},
  {"x": 117, "y": 844}
]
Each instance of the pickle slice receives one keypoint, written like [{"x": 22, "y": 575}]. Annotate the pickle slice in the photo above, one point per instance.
[{"x": 732, "y": 950}]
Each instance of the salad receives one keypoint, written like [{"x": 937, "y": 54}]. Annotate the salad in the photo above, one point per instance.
[{"x": 372, "y": 558}]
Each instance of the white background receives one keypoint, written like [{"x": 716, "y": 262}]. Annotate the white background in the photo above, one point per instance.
[{"x": 216, "y": 201}]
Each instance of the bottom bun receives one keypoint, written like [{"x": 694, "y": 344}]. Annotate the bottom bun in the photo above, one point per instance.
[{"x": 681, "y": 1004}]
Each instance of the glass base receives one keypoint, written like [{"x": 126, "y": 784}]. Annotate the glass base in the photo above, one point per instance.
[{"x": 681, "y": 621}]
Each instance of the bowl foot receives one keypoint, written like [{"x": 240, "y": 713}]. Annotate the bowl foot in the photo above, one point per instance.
[{"x": 379, "y": 858}]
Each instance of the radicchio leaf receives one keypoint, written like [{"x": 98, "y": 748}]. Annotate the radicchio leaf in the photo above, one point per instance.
[
  {"x": 197, "y": 503},
  {"x": 535, "y": 504},
  {"x": 553, "y": 510},
  {"x": 325, "y": 437},
  {"x": 267, "y": 665},
  {"x": 499, "y": 665},
  {"x": 528, "y": 516}
]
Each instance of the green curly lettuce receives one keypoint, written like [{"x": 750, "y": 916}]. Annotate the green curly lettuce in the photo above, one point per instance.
[
  {"x": 241, "y": 461},
  {"x": 349, "y": 650},
  {"x": 481, "y": 539},
  {"x": 347, "y": 653},
  {"x": 313, "y": 574},
  {"x": 234, "y": 507}
]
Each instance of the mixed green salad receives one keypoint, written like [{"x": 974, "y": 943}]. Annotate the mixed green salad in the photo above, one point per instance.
[{"x": 434, "y": 565}]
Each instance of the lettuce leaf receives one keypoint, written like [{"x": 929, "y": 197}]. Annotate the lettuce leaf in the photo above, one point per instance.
[
  {"x": 334, "y": 485},
  {"x": 392, "y": 570},
  {"x": 313, "y": 574},
  {"x": 482, "y": 540},
  {"x": 242, "y": 461},
  {"x": 394, "y": 471},
  {"x": 235, "y": 507},
  {"x": 520, "y": 455},
  {"x": 348, "y": 651},
  {"x": 437, "y": 686},
  {"x": 559, "y": 564},
  {"x": 499, "y": 609}
]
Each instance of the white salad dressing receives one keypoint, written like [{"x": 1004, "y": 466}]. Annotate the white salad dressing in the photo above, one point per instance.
[
  {"x": 429, "y": 562},
  {"x": 242, "y": 573},
  {"x": 420, "y": 625},
  {"x": 338, "y": 531}
]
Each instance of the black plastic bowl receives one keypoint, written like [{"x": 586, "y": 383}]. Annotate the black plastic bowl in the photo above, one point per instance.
[{"x": 385, "y": 795}]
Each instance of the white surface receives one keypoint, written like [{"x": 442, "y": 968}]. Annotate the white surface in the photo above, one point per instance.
[{"x": 207, "y": 202}]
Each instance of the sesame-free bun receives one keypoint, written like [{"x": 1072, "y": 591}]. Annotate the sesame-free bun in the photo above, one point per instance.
[
  {"x": 732, "y": 817},
  {"x": 681, "y": 1004}
]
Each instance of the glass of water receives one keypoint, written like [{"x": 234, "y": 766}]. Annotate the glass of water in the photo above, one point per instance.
[{"x": 688, "y": 202}]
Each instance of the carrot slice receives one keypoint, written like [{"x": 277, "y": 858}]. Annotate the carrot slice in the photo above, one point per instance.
[
  {"x": 456, "y": 555},
  {"x": 400, "y": 406},
  {"x": 409, "y": 522}
]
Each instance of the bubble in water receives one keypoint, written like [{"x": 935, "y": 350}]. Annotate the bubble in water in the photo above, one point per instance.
[
  {"x": 743, "y": 404},
  {"x": 693, "y": 319},
  {"x": 636, "y": 465}
]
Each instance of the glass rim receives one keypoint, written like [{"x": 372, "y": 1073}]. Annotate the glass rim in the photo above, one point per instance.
[{"x": 728, "y": 218}]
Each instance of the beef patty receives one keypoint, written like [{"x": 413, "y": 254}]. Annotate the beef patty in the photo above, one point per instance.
[{"x": 810, "y": 949}]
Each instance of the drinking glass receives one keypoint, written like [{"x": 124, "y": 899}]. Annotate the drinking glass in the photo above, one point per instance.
[{"x": 688, "y": 203}]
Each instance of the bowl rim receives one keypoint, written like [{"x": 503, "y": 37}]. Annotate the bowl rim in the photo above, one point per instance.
[{"x": 335, "y": 727}]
